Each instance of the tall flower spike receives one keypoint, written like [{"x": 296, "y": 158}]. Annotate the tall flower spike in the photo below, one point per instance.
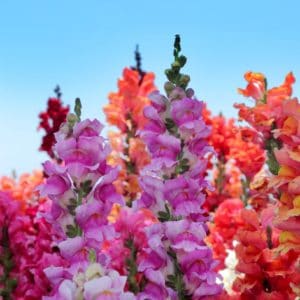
[
  {"x": 125, "y": 111},
  {"x": 174, "y": 187},
  {"x": 275, "y": 116},
  {"x": 82, "y": 194}
]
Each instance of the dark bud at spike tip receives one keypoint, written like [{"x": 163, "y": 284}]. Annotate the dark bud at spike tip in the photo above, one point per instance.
[
  {"x": 138, "y": 59},
  {"x": 57, "y": 92},
  {"x": 77, "y": 108},
  {"x": 138, "y": 64},
  {"x": 177, "y": 43}
]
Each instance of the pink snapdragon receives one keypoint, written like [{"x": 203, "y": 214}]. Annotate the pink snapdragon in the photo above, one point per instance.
[
  {"x": 174, "y": 187},
  {"x": 82, "y": 194}
]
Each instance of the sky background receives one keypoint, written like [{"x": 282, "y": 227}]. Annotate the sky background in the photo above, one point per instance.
[{"x": 84, "y": 45}]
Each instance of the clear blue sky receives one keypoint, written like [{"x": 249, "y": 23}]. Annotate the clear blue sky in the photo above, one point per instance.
[{"x": 84, "y": 45}]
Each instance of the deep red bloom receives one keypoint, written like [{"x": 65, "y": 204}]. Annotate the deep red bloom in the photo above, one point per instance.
[{"x": 50, "y": 121}]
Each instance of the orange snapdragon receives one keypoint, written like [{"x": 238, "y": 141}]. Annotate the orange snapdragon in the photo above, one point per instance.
[
  {"x": 268, "y": 102},
  {"x": 23, "y": 189},
  {"x": 125, "y": 111},
  {"x": 276, "y": 117},
  {"x": 263, "y": 273},
  {"x": 125, "y": 108}
]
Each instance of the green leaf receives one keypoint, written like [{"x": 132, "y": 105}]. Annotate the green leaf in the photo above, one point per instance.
[
  {"x": 177, "y": 43},
  {"x": 92, "y": 256},
  {"x": 170, "y": 74},
  {"x": 73, "y": 231},
  {"x": 86, "y": 187},
  {"x": 182, "y": 60}
]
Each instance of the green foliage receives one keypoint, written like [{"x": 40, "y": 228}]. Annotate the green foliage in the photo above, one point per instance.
[
  {"x": 175, "y": 281},
  {"x": 86, "y": 187},
  {"x": 7, "y": 283},
  {"x": 164, "y": 216},
  {"x": 92, "y": 255},
  {"x": 73, "y": 231}
]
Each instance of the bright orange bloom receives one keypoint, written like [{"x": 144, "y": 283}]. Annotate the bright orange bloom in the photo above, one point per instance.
[
  {"x": 130, "y": 100},
  {"x": 268, "y": 103},
  {"x": 227, "y": 220},
  {"x": 265, "y": 275},
  {"x": 239, "y": 155},
  {"x": 247, "y": 153},
  {"x": 23, "y": 189},
  {"x": 125, "y": 111},
  {"x": 256, "y": 86},
  {"x": 276, "y": 116}
]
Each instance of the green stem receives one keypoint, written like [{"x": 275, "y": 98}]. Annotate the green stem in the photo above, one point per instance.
[
  {"x": 176, "y": 281},
  {"x": 9, "y": 284},
  {"x": 219, "y": 182},
  {"x": 245, "y": 188},
  {"x": 132, "y": 267},
  {"x": 130, "y": 165}
]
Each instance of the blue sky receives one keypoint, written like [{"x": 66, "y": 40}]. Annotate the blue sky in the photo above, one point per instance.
[{"x": 84, "y": 45}]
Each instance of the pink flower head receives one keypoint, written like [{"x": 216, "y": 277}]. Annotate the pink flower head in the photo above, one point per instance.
[
  {"x": 156, "y": 256},
  {"x": 163, "y": 145},
  {"x": 58, "y": 181},
  {"x": 108, "y": 287},
  {"x": 184, "y": 195},
  {"x": 87, "y": 128},
  {"x": 105, "y": 191},
  {"x": 152, "y": 196},
  {"x": 155, "y": 122},
  {"x": 186, "y": 110},
  {"x": 74, "y": 249},
  {"x": 158, "y": 101},
  {"x": 198, "y": 268},
  {"x": 131, "y": 224},
  {"x": 185, "y": 235},
  {"x": 199, "y": 146},
  {"x": 81, "y": 154},
  {"x": 155, "y": 288}
]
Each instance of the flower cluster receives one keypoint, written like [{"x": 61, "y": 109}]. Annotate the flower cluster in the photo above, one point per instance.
[
  {"x": 239, "y": 156},
  {"x": 131, "y": 240},
  {"x": 27, "y": 241},
  {"x": 186, "y": 206},
  {"x": 265, "y": 275},
  {"x": 227, "y": 220}
]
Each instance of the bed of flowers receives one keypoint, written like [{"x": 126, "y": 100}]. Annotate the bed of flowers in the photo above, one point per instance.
[{"x": 175, "y": 203}]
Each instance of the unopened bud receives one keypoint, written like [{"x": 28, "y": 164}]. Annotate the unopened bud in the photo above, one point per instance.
[{"x": 169, "y": 87}]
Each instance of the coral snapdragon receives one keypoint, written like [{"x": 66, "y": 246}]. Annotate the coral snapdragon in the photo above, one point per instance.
[{"x": 125, "y": 111}]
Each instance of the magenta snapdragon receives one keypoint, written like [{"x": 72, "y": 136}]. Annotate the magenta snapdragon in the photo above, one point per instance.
[
  {"x": 27, "y": 246},
  {"x": 82, "y": 193}
]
